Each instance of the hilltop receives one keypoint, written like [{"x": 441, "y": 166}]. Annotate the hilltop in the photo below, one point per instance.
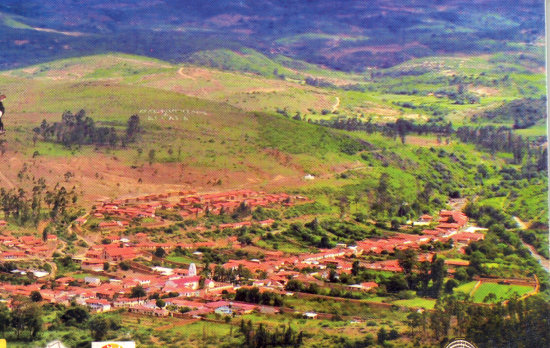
[{"x": 418, "y": 89}]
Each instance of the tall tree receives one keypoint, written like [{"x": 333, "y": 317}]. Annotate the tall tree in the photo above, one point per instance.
[
  {"x": 133, "y": 128},
  {"x": 99, "y": 326}
]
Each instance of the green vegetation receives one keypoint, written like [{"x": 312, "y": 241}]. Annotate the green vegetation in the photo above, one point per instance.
[
  {"x": 523, "y": 112},
  {"x": 493, "y": 292},
  {"x": 384, "y": 145}
]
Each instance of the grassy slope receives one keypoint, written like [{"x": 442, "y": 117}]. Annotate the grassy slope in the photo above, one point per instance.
[
  {"x": 113, "y": 87},
  {"x": 258, "y": 89}
]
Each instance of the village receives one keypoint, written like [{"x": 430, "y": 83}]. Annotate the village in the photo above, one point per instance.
[{"x": 119, "y": 271}]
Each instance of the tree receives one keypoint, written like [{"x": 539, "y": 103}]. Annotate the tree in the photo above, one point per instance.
[
  {"x": 384, "y": 200},
  {"x": 137, "y": 292},
  {"x": 343, "y": 205},
  {"x": 382, "y": 336},
  {"x": 414, "y": 321},
  {"x": 151, "y": 156},
  {"x": 132, "y": 128},
  {"x": 440, "y": 321},
  {"x": 159, "y": 252},
  {"x": 106, "y": 266},
  {"x": 450, "y": 285},
  {"x": 294, "y": 285},
  {"x": 99, "y": 326},
  {"x": 402, "y": 127},
  {"x": 355, "y": 268},
  {"x": 332, "y": 276},
  {"x": 461, "y": 275},
  {"x": 438, "y": 272},
  {"x": 4, "y": 318},
  {"x": 36, "y": 296},
  {"x": 407, "y": 259},
  {"x": 396, "y": 283},
  {"x": 160, "y": 303},
  {"x": 393, "y": 334},
  {"x": 74, "y": 316},
  {"x": 26, "y": 315},
  {"x": 324, "y": 243}
]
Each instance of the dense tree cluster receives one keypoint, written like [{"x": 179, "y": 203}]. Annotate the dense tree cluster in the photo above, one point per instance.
[
  {"x": 79, "y": 129},
  {"x": 25, "y": 317},
  {"x": 426, "y": 278},
  {"x": 494, "y": 139},
  {"x": 261, "y": 337},
  {"x": 518, "y": 323},
  {"x": 221, "y": 274},
  {"x": 487, "y": 216},
  {"x": 253, "y": 295},
  {"x": 23, "y": 206},
  {"x": 524, "y": 112},
  {"x": 538, "y": 239}
]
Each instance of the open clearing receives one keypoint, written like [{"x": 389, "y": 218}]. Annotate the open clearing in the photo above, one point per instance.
[{"x": 501, "y": 291}]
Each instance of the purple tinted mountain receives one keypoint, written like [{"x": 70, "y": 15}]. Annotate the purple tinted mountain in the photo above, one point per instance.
[{"x": 350, "y": 35}]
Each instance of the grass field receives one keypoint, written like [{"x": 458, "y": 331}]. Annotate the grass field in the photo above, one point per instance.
[
  {"x": 181, "y": 259},
  {"x": 84, "y": 275},
  {"x": 416, "y": 303},
  {"x": 501, "y": 291},
  {"x": 466, "y": 288}
]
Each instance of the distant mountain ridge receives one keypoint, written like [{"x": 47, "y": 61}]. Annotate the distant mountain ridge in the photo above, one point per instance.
[{"x": 350, "y": 35}]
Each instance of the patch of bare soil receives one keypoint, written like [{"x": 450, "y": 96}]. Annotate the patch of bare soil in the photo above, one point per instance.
[
  {"x": 425, "y": 142},
  {"x": 484, "y": 91}
]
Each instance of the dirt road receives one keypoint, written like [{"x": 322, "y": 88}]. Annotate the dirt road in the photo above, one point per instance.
[{"x": 336, "y": 105}]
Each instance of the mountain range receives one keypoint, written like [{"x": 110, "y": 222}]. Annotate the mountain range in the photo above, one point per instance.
[{"x": 349, "y": 36}]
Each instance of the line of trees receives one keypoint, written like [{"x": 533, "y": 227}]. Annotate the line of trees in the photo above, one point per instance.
[
  {"x": 79, "y": 129},
  {"x": 400, "y": 127},
  {"x": 491, "y": 138},
  {"x": 495, "y": 139}
]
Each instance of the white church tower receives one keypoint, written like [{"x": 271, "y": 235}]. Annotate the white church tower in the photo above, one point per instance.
[{"x": 192, "y": 270}]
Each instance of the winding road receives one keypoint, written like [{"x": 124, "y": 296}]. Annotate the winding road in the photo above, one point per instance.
[{"x": 545, "y": 263}]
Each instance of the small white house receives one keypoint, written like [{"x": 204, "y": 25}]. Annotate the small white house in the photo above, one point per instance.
[
  {"x": 92, "y": 281},
  {"x": 310, "y": 315},
  {"x": 163, "y": 270}
]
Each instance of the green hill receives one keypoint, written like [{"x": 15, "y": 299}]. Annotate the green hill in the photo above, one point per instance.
[
  {"x": 249, "y": 60},
  {"x": 203, "y": 126}
]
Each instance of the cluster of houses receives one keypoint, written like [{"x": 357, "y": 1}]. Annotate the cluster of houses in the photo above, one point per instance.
[
  {"x": 188, "y": 205},
  {"x": 183, "y": 288},
  {"x": 115, "y": 293},
  {"x": 19, "y": 248},
  {"x": 452, "y": 225}
]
